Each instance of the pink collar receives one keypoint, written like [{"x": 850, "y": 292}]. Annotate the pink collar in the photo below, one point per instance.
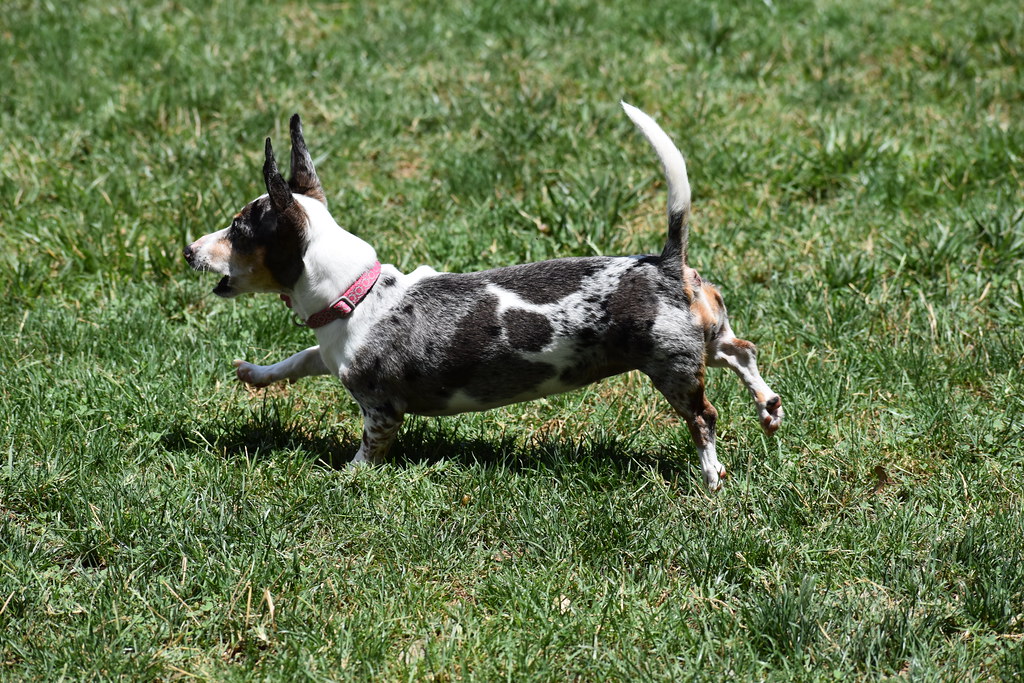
[{"x": 346, "y": 303}]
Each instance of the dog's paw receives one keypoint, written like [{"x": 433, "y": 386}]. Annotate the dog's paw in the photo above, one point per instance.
[
  {"x": 250, "y": 374},
  {"x": 771, "y": 415},
  {"x": 715, "y": 477},
  {"x": 360, "y": 460}
]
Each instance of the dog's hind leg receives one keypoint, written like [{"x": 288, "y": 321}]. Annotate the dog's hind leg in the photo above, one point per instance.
[
  {"x": 689, "y": 400},
  {"x": 302, "y": 364},
  {"x": 380, "y": 425},
  {"x": 741, "y": 356}
]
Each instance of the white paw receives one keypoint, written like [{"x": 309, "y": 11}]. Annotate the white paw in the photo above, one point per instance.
[
  {"x": 250, "y": 374},
  {"x": 771, "y": 415},
  {"x": 715, "y": 477}
]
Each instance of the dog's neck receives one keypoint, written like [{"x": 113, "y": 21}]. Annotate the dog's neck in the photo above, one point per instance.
[{"x": 334, "y": 259}]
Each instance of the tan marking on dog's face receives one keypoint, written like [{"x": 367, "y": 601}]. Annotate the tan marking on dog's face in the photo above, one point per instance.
[
  {"x": 259, "y": 252},
  {"x": 249, "y": 273},
  {"x": 218, "y": 254},
  {"x": 211, "y": 252}
]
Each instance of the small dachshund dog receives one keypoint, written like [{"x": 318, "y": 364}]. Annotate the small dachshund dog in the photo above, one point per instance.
[{"x": 431, "y": 343}]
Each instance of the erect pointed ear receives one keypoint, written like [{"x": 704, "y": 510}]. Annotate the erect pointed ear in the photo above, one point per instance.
[
  {"x": 280, "y": 194},
  {"x": 304, "y": 179}
]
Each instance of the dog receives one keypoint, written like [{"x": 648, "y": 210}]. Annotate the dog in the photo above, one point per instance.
[{"x": 432, "y": 343}]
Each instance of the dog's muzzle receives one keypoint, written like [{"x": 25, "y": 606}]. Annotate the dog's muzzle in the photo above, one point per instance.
[
  {"x": 223, "y": 288},
  {"x": 193, "y": 258}
]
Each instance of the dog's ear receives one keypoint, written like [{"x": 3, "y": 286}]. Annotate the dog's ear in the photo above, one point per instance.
[
  {"x": 304, "y": 179},
  {"x": 280, "y": 194}
]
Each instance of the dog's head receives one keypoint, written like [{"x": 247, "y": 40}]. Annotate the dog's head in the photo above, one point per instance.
[{"x": 262, "y": 249}]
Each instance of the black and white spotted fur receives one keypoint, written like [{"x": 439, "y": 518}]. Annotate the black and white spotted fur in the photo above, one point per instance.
[{"x": 432, "y": 343}]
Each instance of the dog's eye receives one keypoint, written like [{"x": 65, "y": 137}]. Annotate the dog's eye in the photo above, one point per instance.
[{"x": 239, "y": 230}]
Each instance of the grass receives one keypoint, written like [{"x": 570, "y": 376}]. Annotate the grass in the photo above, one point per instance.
[{"x": 856, "y": 169}]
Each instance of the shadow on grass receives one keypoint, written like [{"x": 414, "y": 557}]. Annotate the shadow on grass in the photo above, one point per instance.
[
  {"x": 429, "y": 441},
  {"x": 261, "y": 434},
  {"x": 420, "y": 441}
]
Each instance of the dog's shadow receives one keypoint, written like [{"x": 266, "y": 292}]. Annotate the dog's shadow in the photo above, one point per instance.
[{"x": 420, "y": 441}]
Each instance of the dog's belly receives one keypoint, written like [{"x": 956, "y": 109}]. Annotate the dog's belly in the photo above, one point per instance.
[{"x": 484, "y": 393}]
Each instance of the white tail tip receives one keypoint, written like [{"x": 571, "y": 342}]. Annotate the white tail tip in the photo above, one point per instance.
[{"x": 671, "y": 158}]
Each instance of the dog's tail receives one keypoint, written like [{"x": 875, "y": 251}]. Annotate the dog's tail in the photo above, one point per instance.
[{"x": 678, "y": 187}]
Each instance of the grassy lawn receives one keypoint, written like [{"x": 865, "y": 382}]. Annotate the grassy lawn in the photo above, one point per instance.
[{"x": 857, "y": 173}]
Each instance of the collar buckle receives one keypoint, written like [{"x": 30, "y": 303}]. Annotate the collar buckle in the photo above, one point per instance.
[{"x": 343, "y": 305}]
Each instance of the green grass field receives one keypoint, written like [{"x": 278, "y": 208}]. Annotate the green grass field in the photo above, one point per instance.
[{"x": 857, "y": 174}]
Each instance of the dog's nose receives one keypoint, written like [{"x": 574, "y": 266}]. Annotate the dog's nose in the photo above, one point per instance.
[{"x": 189, "y": 253}]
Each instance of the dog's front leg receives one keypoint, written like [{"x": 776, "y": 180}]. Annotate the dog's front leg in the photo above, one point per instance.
[
  {"x": 741, "y": 356},
  {"x": 302, "y": 364},
  {"x": 380, "y": 425}
]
